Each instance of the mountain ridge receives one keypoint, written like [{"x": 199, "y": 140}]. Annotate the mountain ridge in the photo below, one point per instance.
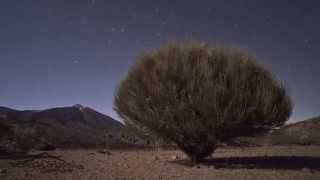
[
  {"x": 305, "y": 132},
  {"x": 65, "y": 127}
]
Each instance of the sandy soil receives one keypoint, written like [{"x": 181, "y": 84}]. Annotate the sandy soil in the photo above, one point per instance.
[{"x": 278, "y": 163}]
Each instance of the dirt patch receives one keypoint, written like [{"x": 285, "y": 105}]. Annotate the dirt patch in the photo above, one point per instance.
[
  {"x": 46, "y": 163},
  {"x": 278, "y": 162}
]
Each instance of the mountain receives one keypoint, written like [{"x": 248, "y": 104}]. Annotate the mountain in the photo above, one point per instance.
[
  {"x": 64, "y": 127},
  {"x": 83, "y": 127},
  {"x": 305, "y": 132}
]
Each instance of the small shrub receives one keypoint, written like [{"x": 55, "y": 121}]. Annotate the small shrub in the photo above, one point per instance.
[
  {"x": 197, "y": 96},
  {"x": 5, "y": 130}
]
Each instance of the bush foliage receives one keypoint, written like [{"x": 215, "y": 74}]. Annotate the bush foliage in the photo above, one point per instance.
[{"x": 198, "y": 95}]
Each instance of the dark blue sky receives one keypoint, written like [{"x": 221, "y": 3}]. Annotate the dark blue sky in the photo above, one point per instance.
[{"x": 65, "y": 52}]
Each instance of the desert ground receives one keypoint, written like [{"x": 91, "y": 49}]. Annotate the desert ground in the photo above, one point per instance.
[{"x": 270, "y": 162}]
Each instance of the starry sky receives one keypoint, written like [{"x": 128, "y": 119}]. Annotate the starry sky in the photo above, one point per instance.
[{"x": 64, "y": 52}]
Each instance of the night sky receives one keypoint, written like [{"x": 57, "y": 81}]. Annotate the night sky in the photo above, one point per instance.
[{"x": 64, "y": 52}]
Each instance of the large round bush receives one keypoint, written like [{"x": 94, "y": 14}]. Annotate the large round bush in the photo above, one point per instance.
[{"x": 197, "y": 96}]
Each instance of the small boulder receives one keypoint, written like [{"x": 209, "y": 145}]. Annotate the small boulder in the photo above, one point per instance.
[
  {"x": 45, "y": 147},
  {"x": 175, "y": 157},
  {"x": 104, "y": 151}
]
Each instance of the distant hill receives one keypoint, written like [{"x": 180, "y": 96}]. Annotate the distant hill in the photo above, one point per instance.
[
  {"x": 64, "y": 127},
  {"x": 82, "y": 127},
  {"x": 305, "y": 132}
]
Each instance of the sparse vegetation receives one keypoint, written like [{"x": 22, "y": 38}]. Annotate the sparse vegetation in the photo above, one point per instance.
[
  {"x": 269, "y": 162},
  {"x": 5, "y": 130},
  {"x": 197, "y": 96}
]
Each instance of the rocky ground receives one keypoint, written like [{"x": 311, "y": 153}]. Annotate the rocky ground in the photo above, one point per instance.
[{"x": 277, "y": 162}]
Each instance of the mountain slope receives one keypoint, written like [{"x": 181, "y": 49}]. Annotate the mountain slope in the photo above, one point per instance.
[
  {"x": 305, "y": 132},
  {"x": 64, "y": 127}
]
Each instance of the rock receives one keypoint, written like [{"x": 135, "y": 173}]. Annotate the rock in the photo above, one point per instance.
[
  {"x": 175, "y": 157},
  {"x": 155, "y": 158},
  {"x": 3, "y": 171},
  {"x": 45, "y": 147},
  {"x": 27, "y": 174},
  {"x": 104, "y": 151},
  {"x": 10, "y": 148}
]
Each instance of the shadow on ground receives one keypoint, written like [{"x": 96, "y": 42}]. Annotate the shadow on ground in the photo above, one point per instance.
[{"x": 261, "y": 162}]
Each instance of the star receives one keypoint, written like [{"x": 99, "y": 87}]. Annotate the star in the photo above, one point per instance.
[
  {"x": 122, "y": 29},
  {"x": 76, "y": 62},
  {"x": 158, "y": 34}
]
